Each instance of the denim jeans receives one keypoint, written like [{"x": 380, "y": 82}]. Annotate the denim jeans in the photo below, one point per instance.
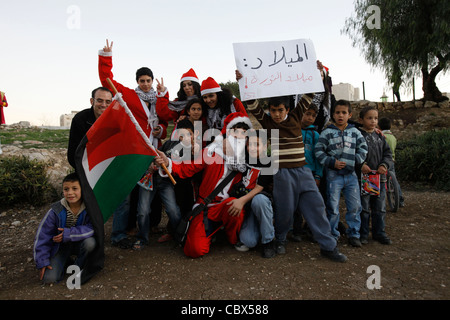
[
  {"x": 375, "y": 207},
  {"x": 258, "y": 223},
  {"x": 120, "y": 221},
  {"x": 166, "y": 191},
  {"x": 59, "y": 261},
  {"x": 349, "y": 185}
]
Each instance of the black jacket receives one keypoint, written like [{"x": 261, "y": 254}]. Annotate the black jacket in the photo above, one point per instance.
[{"x": 81, "y": 123}]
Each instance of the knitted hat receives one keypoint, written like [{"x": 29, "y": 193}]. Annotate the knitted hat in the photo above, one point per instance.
[
  {"x": 190, "y": 75},
  {"x": 209, "y": 86},
  {"x": 233, "y": 119}
]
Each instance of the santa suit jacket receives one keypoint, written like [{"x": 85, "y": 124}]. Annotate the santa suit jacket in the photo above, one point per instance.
[
  {"x": 135, "y": 104},
  {"x": 214, "y": 170}
]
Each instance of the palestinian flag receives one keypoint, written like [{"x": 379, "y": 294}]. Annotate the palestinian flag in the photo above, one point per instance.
[{"x": 110, "y": 160}]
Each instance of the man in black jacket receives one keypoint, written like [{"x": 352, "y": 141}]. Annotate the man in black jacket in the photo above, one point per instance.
[{"x": 83, "y": 120}]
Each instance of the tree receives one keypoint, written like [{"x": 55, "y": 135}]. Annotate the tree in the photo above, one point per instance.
[
  {"x": 233, "y": 86},
  {"x": 411, "y": 39}
]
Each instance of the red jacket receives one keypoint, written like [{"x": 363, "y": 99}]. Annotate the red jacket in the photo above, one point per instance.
[
  {"x": 163, "y": 111},
  {"x": 129, "y": 95},
  {"x": 214, "y": 171}
]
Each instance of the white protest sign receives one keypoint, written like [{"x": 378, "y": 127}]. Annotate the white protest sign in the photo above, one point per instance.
[{"x": 277, "y": 68}]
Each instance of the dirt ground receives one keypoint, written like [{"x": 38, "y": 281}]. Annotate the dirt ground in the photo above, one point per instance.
[{"x": 415, "y": 266}]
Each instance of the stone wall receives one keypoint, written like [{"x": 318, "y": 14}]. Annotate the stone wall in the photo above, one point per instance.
[
  {"x": 410, "y": 118},
  {"x": 396, "y": 106}
]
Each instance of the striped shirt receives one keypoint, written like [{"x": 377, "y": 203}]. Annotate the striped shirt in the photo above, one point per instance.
[
  {"x": 72, "y": 218},
  {"x": 288, "y": 150},
  {"x": 346, "y": 145}
]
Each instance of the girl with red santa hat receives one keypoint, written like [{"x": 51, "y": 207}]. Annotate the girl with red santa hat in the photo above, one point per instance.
[
  {"x": 172, "y": 110},
  {"x": 220, "y": 102}
]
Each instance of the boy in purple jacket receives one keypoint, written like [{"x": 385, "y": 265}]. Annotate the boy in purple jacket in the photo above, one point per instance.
[{"x": 64, "y": 231}]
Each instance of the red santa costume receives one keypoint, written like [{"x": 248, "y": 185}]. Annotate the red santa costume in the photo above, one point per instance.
[
  {"x": 3, "y": 103},
  {"x": 215, "y": 167},
  {"x": 171, "y": 110},
  {"x": 134, "y": 102}
]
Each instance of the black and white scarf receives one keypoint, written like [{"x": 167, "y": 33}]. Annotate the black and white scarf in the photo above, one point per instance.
[
  {"x": 153, "y": 119},
  {"x": 179, "y": 106}
]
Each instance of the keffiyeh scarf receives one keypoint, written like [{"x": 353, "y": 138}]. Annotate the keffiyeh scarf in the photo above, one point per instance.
[{"x": 153, "y": 119}]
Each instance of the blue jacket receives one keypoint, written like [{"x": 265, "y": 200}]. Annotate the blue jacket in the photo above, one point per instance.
[
  {"x": 44, "y": 247},
  {"x": 310, "y": 139},
  {"x": 346, "y": 145}
]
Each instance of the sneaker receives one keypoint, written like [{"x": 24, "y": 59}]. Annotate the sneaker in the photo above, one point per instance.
[
  {"x": 138, "y": 245},
  {"x": 383, "y": 240},
  {"x": 280, "y": 247},
  {"x": 364, "y": 240},
  {"x": 268, "y": 250},
  {"x": 333, "y": 255},
  {"x": 241, "y": 247},
  {"x": 354, "y": 242}
]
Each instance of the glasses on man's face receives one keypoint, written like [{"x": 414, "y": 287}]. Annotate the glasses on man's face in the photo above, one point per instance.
[{"x": 101, "y": 101}]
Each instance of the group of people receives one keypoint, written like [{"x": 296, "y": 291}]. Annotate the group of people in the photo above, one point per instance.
[{"x": 267, "y": 189}]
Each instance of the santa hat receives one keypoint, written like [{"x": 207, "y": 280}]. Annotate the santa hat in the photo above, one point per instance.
[
  {"x": 230, "y": 121},
  {"x": 190, "y": 75},
  {"x": 209, "y": 86},
  {"x": 233, "y": 119}
]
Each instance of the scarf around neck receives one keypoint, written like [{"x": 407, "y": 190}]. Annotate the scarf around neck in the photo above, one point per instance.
[
  {"x": 153, "y": 119},
  {"x": 179, "y": 106}
]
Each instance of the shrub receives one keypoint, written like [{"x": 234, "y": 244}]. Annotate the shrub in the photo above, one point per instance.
[
  {"x": 425, "y": 159},
  {"x": 24, "y": 181}
]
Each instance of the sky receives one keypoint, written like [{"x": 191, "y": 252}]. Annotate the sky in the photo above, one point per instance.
[{"x": 49, "y": 48}]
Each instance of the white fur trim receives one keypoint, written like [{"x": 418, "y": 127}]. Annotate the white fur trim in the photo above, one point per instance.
[
  {"x": 189, "y": 78},
  {"x": 212, "y": 90},
  {"x": 218, "y": 139},
  {"x": 104, "y": 54},
  {"x": 236, "y": 120},
  {"x": 161, "y": 94},
  {"x": 161, "y": 171}
]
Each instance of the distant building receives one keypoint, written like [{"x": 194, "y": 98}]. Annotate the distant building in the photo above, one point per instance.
[
  {"x": 345, "y": 91},
  {"x": 65, "y": 120}
]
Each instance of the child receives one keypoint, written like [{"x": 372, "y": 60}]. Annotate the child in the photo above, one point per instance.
[
  {"x": 64, "y": 231},
  {"x": 142, "y": 102},
  {"x": 173, "y": 149},
  {"x": 385, "y": 126},
  {"x": 189, "y": 89},
  {"x": 340, "y": 148},
  {"x": 258, "y": 221},
  {"x": 310, "y": 138},
  {"x": 379, "y": 158},
  {"x": 219, "y": 103},
  {"x": 215, "y": 167},
  {"x": 288, "y": 193}
]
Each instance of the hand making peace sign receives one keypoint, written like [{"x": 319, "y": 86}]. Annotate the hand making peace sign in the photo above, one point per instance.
[
  {"x": 108, "y": 48},
  {"x": 160, "y": 87}
]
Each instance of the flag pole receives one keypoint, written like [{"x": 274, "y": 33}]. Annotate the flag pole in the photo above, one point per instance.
[{"x": 138, "y": 128}]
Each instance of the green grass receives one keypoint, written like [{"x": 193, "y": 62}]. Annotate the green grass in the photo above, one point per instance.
[{"x": 49, "y": 138}]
